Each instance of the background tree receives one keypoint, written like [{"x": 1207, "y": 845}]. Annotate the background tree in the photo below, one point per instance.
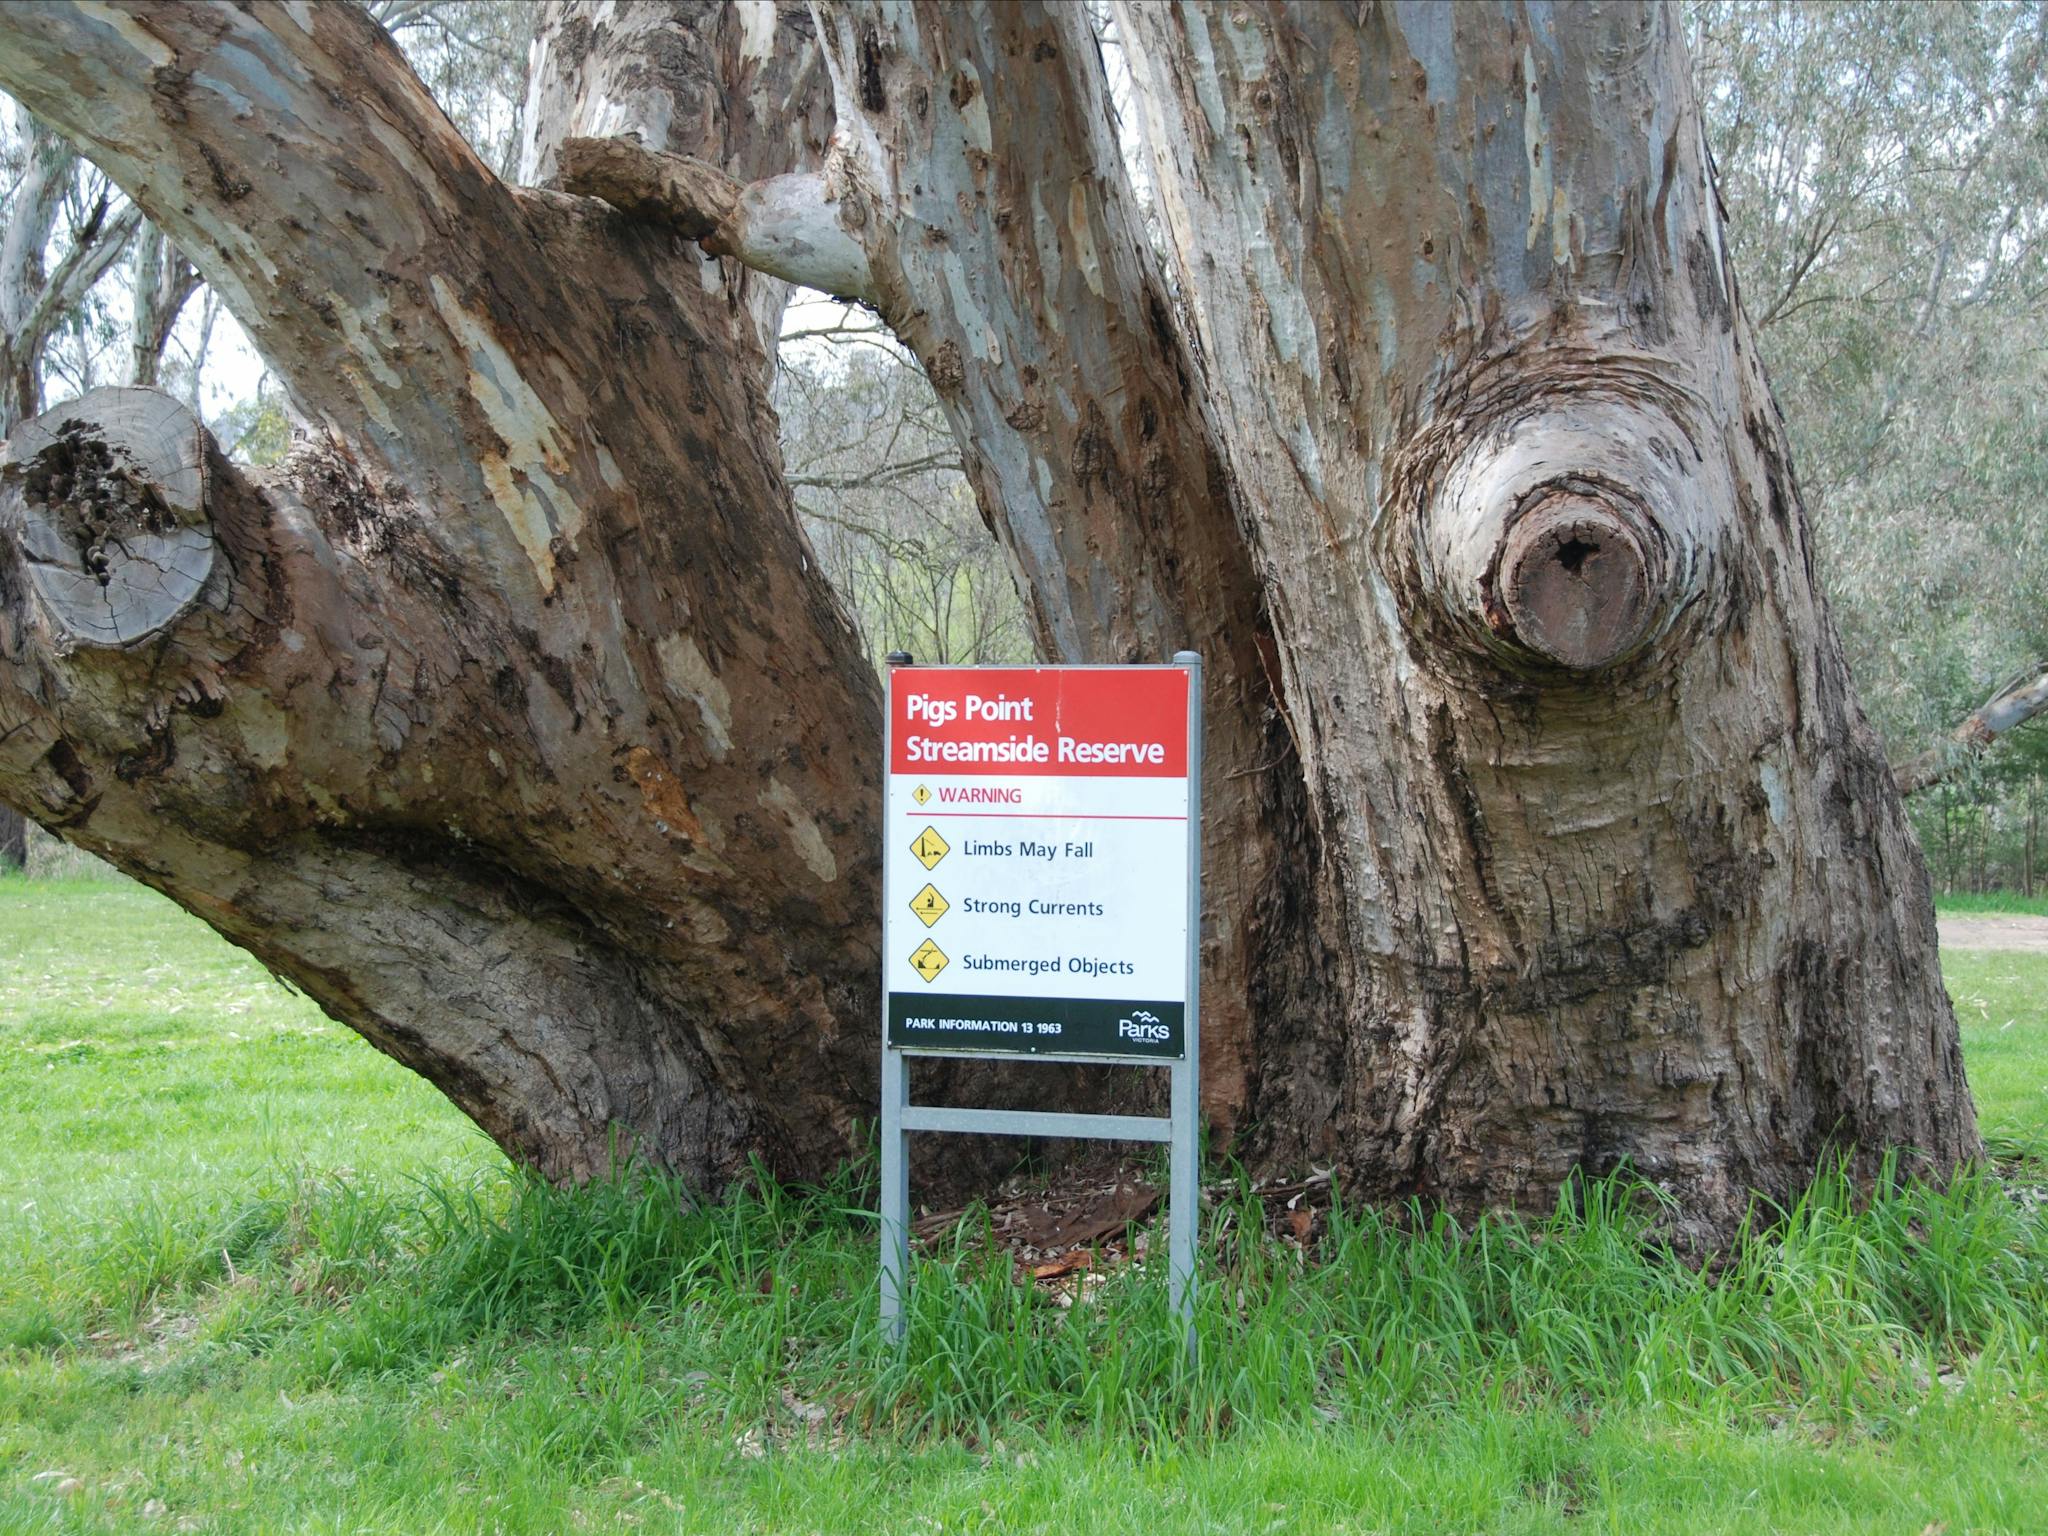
[
  {"x": 514, "y": 719},
  {"x": 163, "y": 281},
  {"x": 878, "y": 485},
  {"x": 471, "y": 54},
  {"x": 66, "y": 226},
  {"x": 1886, "y": 168}
]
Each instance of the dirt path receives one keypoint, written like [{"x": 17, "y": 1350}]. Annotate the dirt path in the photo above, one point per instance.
[{"x": 2027, "y": 935}]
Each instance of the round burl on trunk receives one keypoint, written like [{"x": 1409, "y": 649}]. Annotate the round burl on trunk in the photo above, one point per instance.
[{"x": 107, "y": 497}]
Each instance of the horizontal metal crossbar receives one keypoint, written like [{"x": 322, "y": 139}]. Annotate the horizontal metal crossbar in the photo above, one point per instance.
[
  {"x": 1052, "y": 1056},
  {"x": 1023, "y": 1122}
]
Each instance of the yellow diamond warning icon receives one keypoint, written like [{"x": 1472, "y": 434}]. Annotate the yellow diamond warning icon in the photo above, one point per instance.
[
  {"x": 929, "y": 905},
  {"x": 930, "y": 847},
  {"x": 920, "y": 794},
  {"x": 928, "y": 960}
]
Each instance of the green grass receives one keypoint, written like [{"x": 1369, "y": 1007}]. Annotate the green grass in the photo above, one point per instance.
[
  {"x": 2001, "y": 1004},
  {"x": 254, "y": 1277},
  {"x": 1998, "y": 902}
]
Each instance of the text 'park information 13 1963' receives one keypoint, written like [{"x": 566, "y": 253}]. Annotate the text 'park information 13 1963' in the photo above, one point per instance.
[{"x": 1037, "y": 860}]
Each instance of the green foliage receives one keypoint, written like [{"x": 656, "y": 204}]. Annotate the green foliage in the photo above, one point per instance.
[
  {"x": 1986, "y": 828},
  {"x": 255, "y": 429},
  {"x": 1885, "y": 168},
  {"x": 260, "y": 1275}
]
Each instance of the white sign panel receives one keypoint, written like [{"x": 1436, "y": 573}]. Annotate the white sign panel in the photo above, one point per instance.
[{"x": 1037, "y": 860}]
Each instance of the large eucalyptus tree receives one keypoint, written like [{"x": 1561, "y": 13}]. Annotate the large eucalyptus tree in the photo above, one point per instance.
[{"x": 513, "y": 720}]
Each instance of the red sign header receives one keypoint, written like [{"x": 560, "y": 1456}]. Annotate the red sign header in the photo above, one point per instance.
[{"x": 996, "y": 722}]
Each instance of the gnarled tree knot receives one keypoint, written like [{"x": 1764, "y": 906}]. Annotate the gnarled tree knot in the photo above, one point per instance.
[{"x": 1573, "y": 538}]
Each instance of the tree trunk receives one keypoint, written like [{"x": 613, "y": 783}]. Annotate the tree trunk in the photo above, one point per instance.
[
  {"x": 1044, "y": 325},
  {"x": 2033, "y": 829},
  {"x": 512, "y": 720},
  {"x": 1624, "y": 867},
  {"x": 163, "y": 281}
]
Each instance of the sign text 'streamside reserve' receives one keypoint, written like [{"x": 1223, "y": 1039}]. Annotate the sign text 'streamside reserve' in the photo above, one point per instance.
[{"x": 1038, "y": 860}]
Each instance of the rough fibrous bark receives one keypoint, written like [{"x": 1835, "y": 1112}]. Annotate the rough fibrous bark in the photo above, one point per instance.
[
  {"x": 1543, "y": 832},
  {"x": 1619, "y": 854},
  {"x": 1045, "y": 327}
]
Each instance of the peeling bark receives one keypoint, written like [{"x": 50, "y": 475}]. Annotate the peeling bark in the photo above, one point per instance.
[
  {"x": 1068, "y": 389},
  {"x": 975, "y": 165},
  {"x": 739, "y": 89},
  {"x": 1625, "y": 870}
]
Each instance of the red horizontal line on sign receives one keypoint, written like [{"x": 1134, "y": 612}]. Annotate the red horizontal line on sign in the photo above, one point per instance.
[{"x": 1031, "y": 816}]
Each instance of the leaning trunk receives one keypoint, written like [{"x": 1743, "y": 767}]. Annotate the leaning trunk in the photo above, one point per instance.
[{"x": 509, "y": 718}]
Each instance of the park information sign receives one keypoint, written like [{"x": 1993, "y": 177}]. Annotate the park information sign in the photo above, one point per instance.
[
  {"x": 1038, "y": 860},
  {"x": 1041, "y": 890}
]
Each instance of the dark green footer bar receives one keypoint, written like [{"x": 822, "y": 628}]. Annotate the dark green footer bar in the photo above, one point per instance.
[{"x": 1026, "y": 1026}]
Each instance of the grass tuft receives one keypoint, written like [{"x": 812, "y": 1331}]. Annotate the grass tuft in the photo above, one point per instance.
[{"x": 1836, "y": 1308}]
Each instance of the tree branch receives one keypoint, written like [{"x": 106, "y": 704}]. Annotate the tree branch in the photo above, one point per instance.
[
  {"x": 32, "y": 215},
  {"x": 2022, "y": 698},
  {"x": 756, "y": 105},
  {"x": 163, "y": 281},
  {"x": 978, "y": 168},
  {"x": 343, "y": 220},
  {"x": 793, "y": 227},
  {"x": 881, "y": 475},
  {"x": 98, "y": 246},
  {"x": 691, "y": 197},
  {"x": 107, "y": 498}
]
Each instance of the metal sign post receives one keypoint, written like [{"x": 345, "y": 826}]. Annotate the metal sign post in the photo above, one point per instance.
[{"x": 1069, "y": 802}]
